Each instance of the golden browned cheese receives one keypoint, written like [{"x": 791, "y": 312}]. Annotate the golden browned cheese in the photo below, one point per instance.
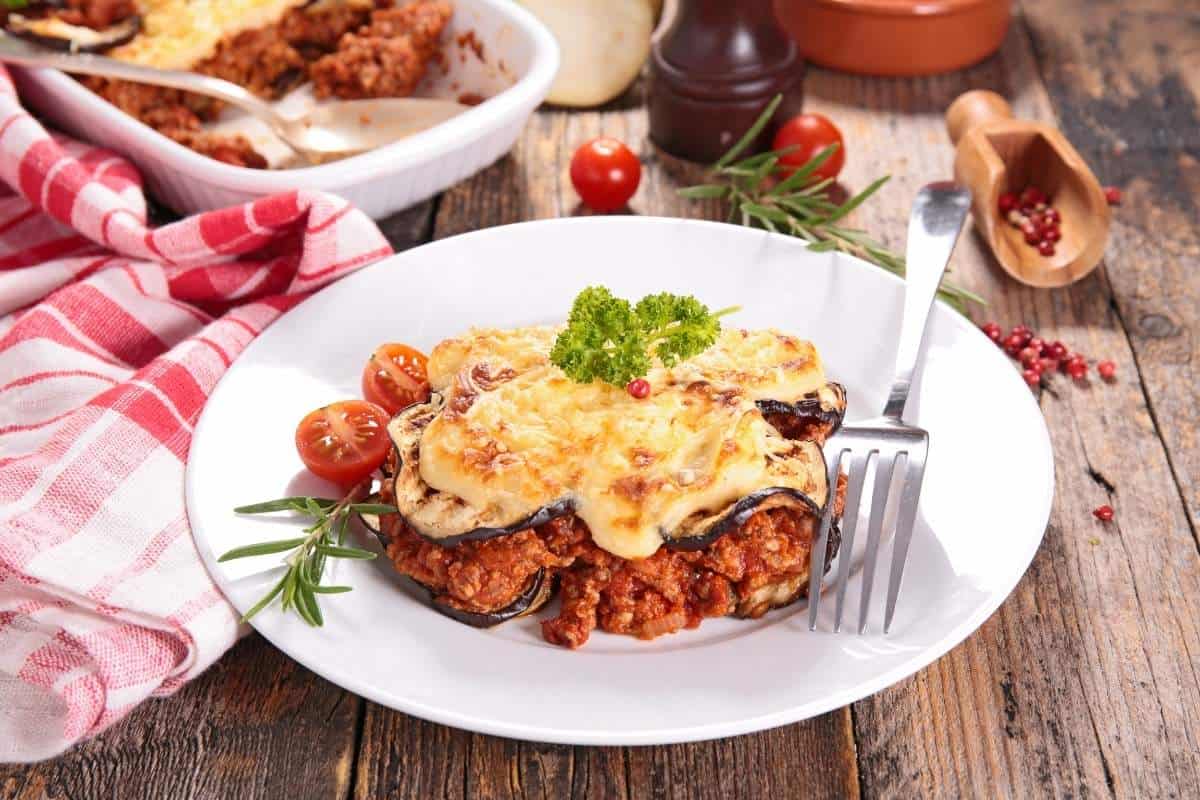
[
  {"x": 515, "y": 434},
  {"x": 178, "y": 34}
]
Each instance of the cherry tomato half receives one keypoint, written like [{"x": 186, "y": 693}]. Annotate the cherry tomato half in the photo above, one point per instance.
[
  {"x": 343, "y": 442},
  {"x": 809, "y": 134},
  {"x": 395, "y": 377},
  {"x": 606, "y": 173}
]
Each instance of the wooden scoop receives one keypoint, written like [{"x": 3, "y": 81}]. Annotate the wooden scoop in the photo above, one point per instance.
[{"x": 995, "y": 154}]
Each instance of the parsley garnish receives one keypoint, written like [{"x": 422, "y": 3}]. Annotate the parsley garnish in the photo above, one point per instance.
[{"x": 609, "y": 340}]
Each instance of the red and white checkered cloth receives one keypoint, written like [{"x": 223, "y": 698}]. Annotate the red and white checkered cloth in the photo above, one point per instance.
[{"x": 112, "y": 336}]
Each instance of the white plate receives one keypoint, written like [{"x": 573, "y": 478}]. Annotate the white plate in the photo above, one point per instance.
[
  {"x": 519, "y": 61},
  {"x": 988, "y": 488}
]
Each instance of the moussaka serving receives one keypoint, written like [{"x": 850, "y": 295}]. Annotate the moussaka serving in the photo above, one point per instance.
[
  {"x": 349, "y": 49},
  {"x": 645, "y": 514},
  {"x": 642, "y": 464}
]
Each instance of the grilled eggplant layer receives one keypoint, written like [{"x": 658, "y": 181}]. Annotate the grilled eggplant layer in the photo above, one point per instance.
[
  {"x": 796, "y": 477},
  {"x": 536, "y": 594},
  {"x": 52, "y": 32},
  {"x": 816, "y": 416}
]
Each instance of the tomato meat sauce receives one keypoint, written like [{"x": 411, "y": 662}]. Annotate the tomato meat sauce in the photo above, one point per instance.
[{"x": 646, "y": 598}]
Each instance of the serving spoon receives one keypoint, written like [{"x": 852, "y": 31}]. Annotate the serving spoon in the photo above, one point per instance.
[{"x": 327, "y": 132}]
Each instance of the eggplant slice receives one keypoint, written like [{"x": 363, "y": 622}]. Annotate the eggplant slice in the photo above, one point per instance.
[
  {"x": 441, "y": 517},
  {"x": 816, "y": 416},
  {"x": 700, "y": 530},
  {"x": 536, "y": 594},
  {"x": 53, "y": 33}
]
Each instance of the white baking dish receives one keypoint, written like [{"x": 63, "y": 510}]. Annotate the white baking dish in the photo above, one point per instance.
[{"x": 494, "y": 48}]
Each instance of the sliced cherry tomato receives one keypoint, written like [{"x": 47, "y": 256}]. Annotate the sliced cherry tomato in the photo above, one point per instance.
[
  {"x": 395, "y": 377},
  {"x": 809, "y": 134},
  {"x": 606, "y": 173},
  {"x": 343, "y": 442}
]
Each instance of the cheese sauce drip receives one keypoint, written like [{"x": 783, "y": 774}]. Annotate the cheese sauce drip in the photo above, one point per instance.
[{"x": 516, "y": 434}]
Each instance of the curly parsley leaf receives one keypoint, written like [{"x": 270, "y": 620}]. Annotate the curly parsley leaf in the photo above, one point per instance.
[{"x": 609, "y": 340}]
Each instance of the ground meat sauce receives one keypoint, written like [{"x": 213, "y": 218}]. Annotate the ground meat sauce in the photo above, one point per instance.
[
  {"x": 349, "y": 49},
  {"x": 385, "y": 58},
  {"x": 664, "y": 593}
]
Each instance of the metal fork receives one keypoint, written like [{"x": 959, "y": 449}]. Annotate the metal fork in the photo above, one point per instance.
[{"x": 897, "y": 449}]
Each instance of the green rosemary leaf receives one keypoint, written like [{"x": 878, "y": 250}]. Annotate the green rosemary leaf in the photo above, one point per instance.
[
  {"x": 373, "y": 508},
  {"x": 823, "y": 247},
  {"x": 284, "y": 504},
  {"x": 854, "y": 202},
  {"x": 798, "y": 208},
  {"x": 749, "y": 136},
  {"x": 333, "y": 551},
  {"x": 769, "y": 225},
  {"x": 343, "y": 523},
  {"x": 739, "y": 171},
  {"x": 289, "y": 588},
  {"x": 754, "y": 161},
  {"x": 266, "y": 600},
  {"x": 314, "y": 510},
  {"x": 331, "y": 589},
  {"x": 306, "y": 606},
  {"x": 765, "y": 211},
  {"x": 704, "y": 191},
  {"x": 262, "y": 548},
  {"x": 801, "y": 176},
  {"x": 766, "y": 168},
  {"x": 815, "y": 188}
]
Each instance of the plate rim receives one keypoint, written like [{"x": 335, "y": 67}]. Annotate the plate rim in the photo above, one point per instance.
[{"x": 667, "y": 734}]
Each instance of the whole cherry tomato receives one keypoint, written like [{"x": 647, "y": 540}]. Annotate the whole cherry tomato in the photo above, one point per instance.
[
  {"x": 606, "y": 173},
  {"x": 809, "y": 134}
]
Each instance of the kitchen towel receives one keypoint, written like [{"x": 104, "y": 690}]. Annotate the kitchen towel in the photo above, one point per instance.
[{"x": 112, "y": 335}]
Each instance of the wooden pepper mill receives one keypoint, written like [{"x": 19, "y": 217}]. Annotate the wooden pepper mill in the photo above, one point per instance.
[
  {"x": 995, "y": 154},
  {"x": 714, "y": 66}
]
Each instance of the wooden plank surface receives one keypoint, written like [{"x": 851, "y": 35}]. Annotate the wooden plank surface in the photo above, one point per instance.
[
  {"x": 1084, "y": 684},
  {"x": 255, "y": 725}
]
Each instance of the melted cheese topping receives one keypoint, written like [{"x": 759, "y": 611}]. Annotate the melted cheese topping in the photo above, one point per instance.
[
  {"x": 516, "y": 434},
  {"x": 178, "y": 34}
]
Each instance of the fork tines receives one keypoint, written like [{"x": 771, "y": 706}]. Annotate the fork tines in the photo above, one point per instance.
[{"x": 898, "y": 455}]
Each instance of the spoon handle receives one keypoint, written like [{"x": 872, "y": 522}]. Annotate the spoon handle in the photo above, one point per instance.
[
  {"x": 937, "y": 216},
  {"x": 16, "y": 51}
]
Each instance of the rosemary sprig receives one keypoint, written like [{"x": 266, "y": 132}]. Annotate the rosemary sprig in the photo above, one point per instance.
[
  {"x": 324, "y": 539},
  {"x": 796, "y": 207}
]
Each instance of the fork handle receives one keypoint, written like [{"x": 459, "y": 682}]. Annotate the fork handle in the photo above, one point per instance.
[{"x": 938, "y": 214}]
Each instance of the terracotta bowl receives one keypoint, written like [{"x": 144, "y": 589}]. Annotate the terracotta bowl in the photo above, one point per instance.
[{"x": 895, "y": 37}]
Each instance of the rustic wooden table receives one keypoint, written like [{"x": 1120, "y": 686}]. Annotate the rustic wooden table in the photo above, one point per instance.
[{"x": 1085, "y": 683}]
